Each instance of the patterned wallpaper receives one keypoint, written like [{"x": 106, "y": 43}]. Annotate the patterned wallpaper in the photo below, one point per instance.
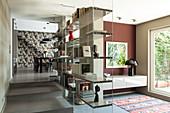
[{"x": 29, "y": 47}]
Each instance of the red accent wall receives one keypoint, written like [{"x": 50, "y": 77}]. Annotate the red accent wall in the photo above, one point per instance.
[{"x": 121, "y": 33}]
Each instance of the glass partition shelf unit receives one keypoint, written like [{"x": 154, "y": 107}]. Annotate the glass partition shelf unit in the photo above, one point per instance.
[
  {"x": 86, "y": 19},
  {"x": 92, "y": 80}
]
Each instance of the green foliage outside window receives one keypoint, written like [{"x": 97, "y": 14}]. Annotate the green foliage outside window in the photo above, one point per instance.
[{"x": 162, "y": 55}]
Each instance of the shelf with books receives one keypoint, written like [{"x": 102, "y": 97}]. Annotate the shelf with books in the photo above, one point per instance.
[
  {"x": 87, "y": 18},
  {"x": 84, "y": 20}
]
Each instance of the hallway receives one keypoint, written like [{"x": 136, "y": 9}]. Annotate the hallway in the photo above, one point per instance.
[{"x": 31, "y": 92}]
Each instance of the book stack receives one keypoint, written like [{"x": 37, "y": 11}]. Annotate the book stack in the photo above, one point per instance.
[
  {"x": 86, "y": 94},
  {"x": 83, "y": 89}
]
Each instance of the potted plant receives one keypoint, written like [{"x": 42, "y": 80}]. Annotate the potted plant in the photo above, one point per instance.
[{"x": 161, "y": 81}]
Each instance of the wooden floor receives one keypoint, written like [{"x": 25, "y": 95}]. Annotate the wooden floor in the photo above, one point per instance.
[{"x": 32, "y": 92}]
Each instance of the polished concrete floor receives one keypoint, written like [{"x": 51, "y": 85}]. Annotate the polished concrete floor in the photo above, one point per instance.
[
  {"x": 32, "y": 92},
  {"x": 28, "y": 75},
  {"x": 108, "y": 109}
]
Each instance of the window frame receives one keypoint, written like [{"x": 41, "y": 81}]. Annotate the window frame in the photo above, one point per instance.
[{"x": 151, "y": 60}]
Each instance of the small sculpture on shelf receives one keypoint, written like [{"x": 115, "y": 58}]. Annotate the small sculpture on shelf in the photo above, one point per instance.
[
  {"x": 107, "y": 76},
  {"x": 97, "y": 89},
  {"x": 96, "y": 55},
  {"x": 70, "y": 53}
]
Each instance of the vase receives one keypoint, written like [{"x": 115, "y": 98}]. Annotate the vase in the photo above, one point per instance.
[{"x": 71, "y": 35}]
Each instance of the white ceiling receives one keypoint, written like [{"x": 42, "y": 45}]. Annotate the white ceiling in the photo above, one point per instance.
[{"x": 140, "y": 10}]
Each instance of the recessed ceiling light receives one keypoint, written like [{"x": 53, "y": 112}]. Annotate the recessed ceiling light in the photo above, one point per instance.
[
  {"x": 134, "y": 20},
  {"x": 119, "y": 18}
]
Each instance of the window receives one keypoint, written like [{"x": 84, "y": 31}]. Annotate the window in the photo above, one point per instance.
[{"x": 160, "y": 61}]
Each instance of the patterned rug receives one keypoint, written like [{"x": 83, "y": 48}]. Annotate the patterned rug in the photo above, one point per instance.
[{"x": 143, "y": 104}]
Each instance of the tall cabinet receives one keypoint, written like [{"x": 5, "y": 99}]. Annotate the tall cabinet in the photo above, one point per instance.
[{"x": 80, "y": 60}]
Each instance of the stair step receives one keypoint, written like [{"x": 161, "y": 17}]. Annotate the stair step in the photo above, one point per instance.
[
  {"x": 32, "y": 84},
  {"x": 57, "y": 105},
  {"x": 32, "y": 90},
  {"x": 34, "y": 97},
  {"x": 66, "y": 110}
]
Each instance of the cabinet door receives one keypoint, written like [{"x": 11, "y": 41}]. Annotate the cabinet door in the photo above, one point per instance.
[
  {"x": 116, "y": 83},
  {"x": 136, "y": 81},
  {"x": 119, "y": 83}
]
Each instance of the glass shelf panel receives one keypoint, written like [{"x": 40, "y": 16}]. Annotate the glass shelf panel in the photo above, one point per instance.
[
  {"x": 89, "y": 79},
  {"x": 91, "y": 103},
  {"x": 84, "y": 20}
]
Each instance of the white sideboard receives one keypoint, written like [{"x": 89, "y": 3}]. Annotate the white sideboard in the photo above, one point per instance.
[{"x": 119, "y": 82}]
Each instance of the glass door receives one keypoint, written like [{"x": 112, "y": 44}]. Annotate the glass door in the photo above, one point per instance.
[{"x": 160, "y": 57}]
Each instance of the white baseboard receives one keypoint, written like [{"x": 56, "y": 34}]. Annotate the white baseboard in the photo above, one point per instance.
[
  {"x": 5, "y": 100},
  {"x": 3, "y": 106}
]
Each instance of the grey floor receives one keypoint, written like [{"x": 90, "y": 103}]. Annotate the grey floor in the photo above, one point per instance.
[
  {"x": 108, "y": 109},
  {"x": 28, "y": 75},
  {"x": 32, "y": 92},
  {"x": 33, "y": 97}
]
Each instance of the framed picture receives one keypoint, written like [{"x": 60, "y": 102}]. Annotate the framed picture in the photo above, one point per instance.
[
  {"x": 86, "y": 51},
  {"x": 118, "y": 52},
  {"x": 84, "y": 86},
  {"x": 85, "y": 68}
]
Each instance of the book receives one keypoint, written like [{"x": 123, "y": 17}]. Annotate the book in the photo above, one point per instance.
[{"x": 86, "y": 94}]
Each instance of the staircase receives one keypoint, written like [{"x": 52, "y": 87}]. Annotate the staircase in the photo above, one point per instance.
[{"x": 36, "y": 97}]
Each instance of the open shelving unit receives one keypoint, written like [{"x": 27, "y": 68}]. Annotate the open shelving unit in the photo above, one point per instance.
[
  {"x": 89, "y": 100},
  {"x": 84, "y": 20},
  {"x": 86, "y": 38}
]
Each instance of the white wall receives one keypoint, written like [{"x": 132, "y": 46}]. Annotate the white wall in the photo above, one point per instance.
[
  {"x": 142, "y": 42},
  {"x": 31, "y": 25},
  {"x": 142, "y": 46},
  {"x": 98, "y": 63},
  {"x": 5, "y": 32}
]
